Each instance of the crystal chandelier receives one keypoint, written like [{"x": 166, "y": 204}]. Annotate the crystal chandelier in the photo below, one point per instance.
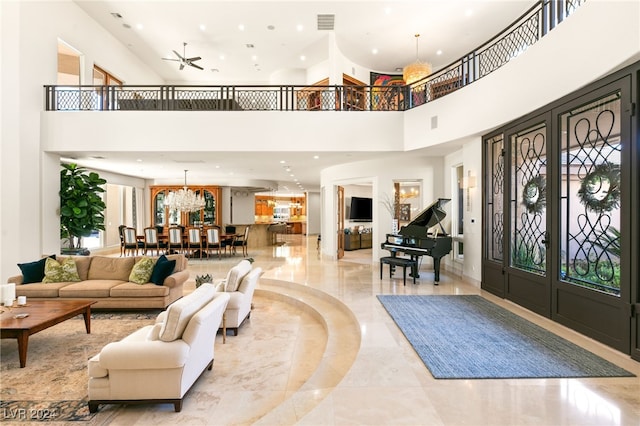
[
  {"x": 417, "y": 70},
  {"x": 184, "y": 200}
]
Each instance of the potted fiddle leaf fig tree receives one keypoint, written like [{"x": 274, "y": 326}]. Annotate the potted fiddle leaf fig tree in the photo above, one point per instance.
[{"x": 81, "y": 206}]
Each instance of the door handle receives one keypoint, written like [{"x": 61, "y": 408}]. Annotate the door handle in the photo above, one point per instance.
[{"x": 545, "y": 240}]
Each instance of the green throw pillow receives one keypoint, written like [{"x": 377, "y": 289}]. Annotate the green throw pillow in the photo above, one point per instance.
[
  {"x": 56, "y": 272},
  {"x": 141, "y": 272}
]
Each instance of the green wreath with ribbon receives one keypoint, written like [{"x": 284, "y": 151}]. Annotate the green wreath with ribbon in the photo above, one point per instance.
[
  {"x": 534, "y": 195},
  {"x": 600, "y": 190}
]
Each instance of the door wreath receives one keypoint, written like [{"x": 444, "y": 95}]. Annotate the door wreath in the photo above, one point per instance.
[
  {"x": 534, "y": 195},
  {"x": 600, "y": 190}
]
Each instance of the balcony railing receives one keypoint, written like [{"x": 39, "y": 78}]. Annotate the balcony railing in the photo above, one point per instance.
[{"x": 511, "y": 42}]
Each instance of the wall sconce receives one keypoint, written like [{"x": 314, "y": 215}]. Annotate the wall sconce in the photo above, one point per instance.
[{"x": 469, "y": 182}]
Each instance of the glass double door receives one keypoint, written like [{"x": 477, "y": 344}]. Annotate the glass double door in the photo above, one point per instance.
[{"x": 556, "y": 207}]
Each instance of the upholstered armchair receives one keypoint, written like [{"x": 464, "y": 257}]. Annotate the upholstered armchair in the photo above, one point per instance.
[
  {"x": 159, "y": 363},
  {"x": 240, "y": 284}
]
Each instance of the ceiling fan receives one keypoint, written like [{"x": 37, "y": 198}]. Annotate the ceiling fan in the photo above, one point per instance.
[{"x": 184, "y": 60}]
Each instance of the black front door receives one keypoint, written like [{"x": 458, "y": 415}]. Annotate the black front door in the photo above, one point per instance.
[
  {"x": 560, "y": 216},
  {"x": 591, "y": 292},
  {"x": 527, "y": 278}
]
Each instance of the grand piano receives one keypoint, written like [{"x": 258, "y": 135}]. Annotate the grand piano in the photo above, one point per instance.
[{"x": 415, "y": 240}]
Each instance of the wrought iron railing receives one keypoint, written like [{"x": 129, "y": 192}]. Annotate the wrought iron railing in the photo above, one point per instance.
[{"x": 513, "y": 41}]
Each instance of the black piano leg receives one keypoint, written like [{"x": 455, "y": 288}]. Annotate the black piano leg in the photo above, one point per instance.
[
  {"x": 414, "y": 271},
  {"x": 436, "y": 270}
]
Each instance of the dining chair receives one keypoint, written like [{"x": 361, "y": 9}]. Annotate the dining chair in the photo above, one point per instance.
[
  {"x": 213, "y": 241},
  {"x": 175, "y": 239},
  {"x": 194, "y": 241},
  {"x": 131, "y": 243},
  {"x": 121, "y": 233},
  {"x": 151, "y": 240},
  {"x": 241, "y": 241}
]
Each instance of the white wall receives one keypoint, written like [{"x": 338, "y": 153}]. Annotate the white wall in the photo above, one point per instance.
[
  {"x": 314, "y": 216},
  {"x": 157, "y": 131},
  {"x": 30, "y": 178},
  {"x": 243, "y": 207}
]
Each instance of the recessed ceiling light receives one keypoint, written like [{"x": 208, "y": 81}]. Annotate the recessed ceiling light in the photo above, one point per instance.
[
  {"x": 315, "y": 157},
  {"x": 254, "y": 58},
  {"x": 139, "y": 160},
  {"x": 387, "y": 10},
  {"x": 221, "y": 57},
  {"x": 217, "y": 166},
  {"x": 140, "y": 26},
  {"x": 439, "y": 52},
  {"x": 374, "y": 51},
  {"x": 303, "y": 58},
  {"x": 203, "y": 27},
  {"x": 299, "y": 27},
  {"x": 282, "y": 161},
  {"x": 468, "y": 12},
  {"x": 241, "y": 27}
]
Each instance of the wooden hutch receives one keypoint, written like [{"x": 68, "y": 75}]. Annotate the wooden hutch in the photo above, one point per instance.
[{"x": 209, "y": 215}]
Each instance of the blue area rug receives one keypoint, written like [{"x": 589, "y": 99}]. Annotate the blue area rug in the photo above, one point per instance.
[{"x": 468, "y": 337}]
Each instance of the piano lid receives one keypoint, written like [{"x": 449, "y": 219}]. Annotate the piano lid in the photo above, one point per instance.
[{"x": 429, "y": 217}]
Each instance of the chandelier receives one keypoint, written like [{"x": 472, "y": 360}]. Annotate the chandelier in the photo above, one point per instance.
[
  {"x": 184, "y": 200},
  {"x": 417, "y": 70}
]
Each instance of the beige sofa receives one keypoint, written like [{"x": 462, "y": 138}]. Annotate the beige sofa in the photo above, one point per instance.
[
  {"x": 106, "y": 280},
  {"x": 159, "y": 363}
]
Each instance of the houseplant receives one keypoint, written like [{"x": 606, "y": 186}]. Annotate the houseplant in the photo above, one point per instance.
[{"x": 81, "y": 206}]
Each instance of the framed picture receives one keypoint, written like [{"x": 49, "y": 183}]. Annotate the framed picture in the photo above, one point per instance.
[{"x": 405, "y": 212}]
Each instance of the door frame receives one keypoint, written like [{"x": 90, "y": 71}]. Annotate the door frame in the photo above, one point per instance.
[{"x": 494, "y": 272}]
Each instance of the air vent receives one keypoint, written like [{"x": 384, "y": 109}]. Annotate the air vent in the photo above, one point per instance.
[
  {"x": 325, "y": 22},
  {"x": 116, "y": 15},
  {"x": 249, "y": 46}
]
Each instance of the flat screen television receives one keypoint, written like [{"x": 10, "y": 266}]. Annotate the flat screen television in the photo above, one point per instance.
[{"x": 361, "y": 209}]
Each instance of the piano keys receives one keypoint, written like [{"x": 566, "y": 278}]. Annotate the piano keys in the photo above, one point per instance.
[{"x": 415, "y": 239}]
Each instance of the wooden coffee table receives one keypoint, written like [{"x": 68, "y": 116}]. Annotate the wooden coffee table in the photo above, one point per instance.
[{"x": 42, "y": 315}]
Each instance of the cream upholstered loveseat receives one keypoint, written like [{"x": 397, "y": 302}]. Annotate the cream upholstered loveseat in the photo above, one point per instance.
[
  {"x": 159, "y": 363},
  {"x": 240, "y": 283},
  {"x": 107, "y": 280}
]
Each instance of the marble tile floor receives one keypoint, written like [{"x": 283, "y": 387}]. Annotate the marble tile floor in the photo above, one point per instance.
[{"x": 337, "y": 358}]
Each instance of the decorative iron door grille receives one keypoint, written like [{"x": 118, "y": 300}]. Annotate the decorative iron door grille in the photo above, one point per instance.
[
  {"x": 590, "y": 195},
  {"x": 528, "y": 200},
  {"x": 495, "y": 200}
]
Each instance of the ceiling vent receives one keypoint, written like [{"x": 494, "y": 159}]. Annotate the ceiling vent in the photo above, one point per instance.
[
  {"x": 116, "y": 15},
  {"x": 325, "y": 22}
]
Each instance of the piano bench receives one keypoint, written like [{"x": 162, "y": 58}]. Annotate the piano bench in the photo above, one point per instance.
[{"x": 400, "y": 261}]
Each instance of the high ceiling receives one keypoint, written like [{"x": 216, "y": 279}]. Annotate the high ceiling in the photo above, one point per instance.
[{"x": 375, "y": 35}]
